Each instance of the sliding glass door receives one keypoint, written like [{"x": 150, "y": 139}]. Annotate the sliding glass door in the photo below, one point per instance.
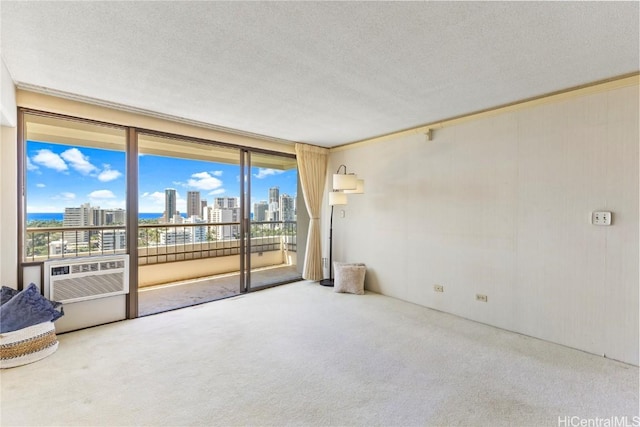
[
  {"x": 272, "y": 187},
  {"x": 189, "y": 229},
  {"x": 213, "y": 221},
  {"x": 197, "y": 220}
]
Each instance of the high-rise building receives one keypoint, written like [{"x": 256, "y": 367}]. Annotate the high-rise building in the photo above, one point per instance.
[
  {"x": 223, "y": 232},
  {"x": 260, "y": 211},
  {"x": 106, "y": 216},
  {"x": 115, "y": 216},
  {"x": 98, "y": 216},
  {"x": 198, "y": 234},
  {"x": 226, "y": 202},
  {"x": 184, "y": 235},
  {"x": 110, "y": 240},
  {"x": 274, "y": 194},
  {"x": 287, "y": 207},
  {"x": 87, "y": 215},
  {"x": 273, "y": 214},
  {"x": 81, "y": 216},
  {"x": 178, "y": 236},
  {"x": 203, "y": 205},
  {"x": 193, "y": 204},
  {"x": 170, "y": 204}
]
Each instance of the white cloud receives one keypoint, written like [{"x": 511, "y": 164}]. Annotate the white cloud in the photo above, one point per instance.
[
  {"x": 154, "y": 202},
  {"x": 113, "y": 204},
  {"x": 216, "y": 192},
  {"x": 204, "y": 181},
  {"x": 151, "y": 202},
  {"x": 216, "y": 173},
  {"x": 31, "y": 166},
  {"x": 108, "y": 174},
  {"x": 102, "y": 194},
  {"x": 263, "y": 173},
  {"x": 156, "y": 196},
  {"x": 65, "y": 195},
  {"x": 40, "y": 185},
  {"x": 51, "y": 160},
  {"x": 78, "y": 161}
]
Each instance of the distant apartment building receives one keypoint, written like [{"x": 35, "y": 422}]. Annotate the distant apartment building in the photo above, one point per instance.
[
  {"x": 274, "y": 194},
  {"x": 203, "y": 205},
  {"x": 98, "y": 216},
  {"x": 115, "y": 216},
  {"x": 199, "y": 233},
  {"x": 183, "y": 235},
  {"x": 170, "y": 204},
  {"x": 86, "y": 215},
  {"x": 107, "y": 216},
  {"x": 175, "y": 236},
  {"x": 57, "y": 247},
  {"x": 273, "y": 212},
  {"x": 76, "y": 217},
  {"x": 194, "y": 207},
  {"x": 112, "y": 240},
  {"x": 176, "y": 219},
  {"x": 226, "y": 202},
  {"x": 223, "y": 232},
  {"x": 260, "y": 211},
  {"x": 287, "y": 208}
]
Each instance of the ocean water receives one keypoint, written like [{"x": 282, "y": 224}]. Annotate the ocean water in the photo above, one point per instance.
[{"x": 39, "y": 216}]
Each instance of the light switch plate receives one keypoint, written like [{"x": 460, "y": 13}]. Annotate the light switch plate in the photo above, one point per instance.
[{"x": 601, "y": 218}]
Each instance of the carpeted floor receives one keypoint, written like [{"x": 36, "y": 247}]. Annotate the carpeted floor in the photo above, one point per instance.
[{"x": 300, "y": 354}]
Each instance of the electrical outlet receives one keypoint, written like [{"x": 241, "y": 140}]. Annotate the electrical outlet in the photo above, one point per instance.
[
  {"x": 601, "y": 218},
  {"x": 438, "y": 288},
  {"x": 480, "y": 297}
]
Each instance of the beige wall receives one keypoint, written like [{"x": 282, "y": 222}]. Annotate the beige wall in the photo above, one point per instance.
[
  {"x": 8, "y": 208},
  {"x": 52, "y": 104},
  {"x": 155, "y": 274},
  {"x": 7, "y": 97},
  {"x": 500, "y": 205}
]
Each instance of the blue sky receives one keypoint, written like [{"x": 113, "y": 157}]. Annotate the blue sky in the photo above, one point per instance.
[{"x": 60, "y": 176}]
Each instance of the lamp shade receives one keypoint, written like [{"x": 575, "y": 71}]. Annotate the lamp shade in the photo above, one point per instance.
[
  {"x": 344, "y": 181},
  {"x": 337, "y": 198},
  {"x": 359, "y": 188}
]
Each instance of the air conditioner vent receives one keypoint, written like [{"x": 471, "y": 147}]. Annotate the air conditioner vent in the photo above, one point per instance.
[
  {"x": 88, "y": 287},
  {"x": 110, "y": 265},
  {"x": 84, "y": 268}
]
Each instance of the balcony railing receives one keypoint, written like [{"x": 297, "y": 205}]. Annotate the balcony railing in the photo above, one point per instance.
[{"x": 158, "y": 243}]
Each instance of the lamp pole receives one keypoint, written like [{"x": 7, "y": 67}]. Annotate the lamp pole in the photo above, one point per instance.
[{"x": 329, "y": 281}]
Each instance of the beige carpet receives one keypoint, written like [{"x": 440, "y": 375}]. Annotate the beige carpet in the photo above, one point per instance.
[{"x": 300, "y": 354}]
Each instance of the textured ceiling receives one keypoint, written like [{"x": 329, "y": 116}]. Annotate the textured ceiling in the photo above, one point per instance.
[{"x": 325, "y": 73}]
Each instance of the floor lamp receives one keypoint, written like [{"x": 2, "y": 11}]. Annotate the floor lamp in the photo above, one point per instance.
[{"x": 342, "y": 184}]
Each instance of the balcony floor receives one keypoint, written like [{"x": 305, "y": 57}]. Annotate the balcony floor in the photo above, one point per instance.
[{"x": 170, "y": 296}]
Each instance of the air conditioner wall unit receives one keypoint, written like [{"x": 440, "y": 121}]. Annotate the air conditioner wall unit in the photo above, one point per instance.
[
  {"x": 80, "y": 279},
  {"x": 93, "y": 290}
]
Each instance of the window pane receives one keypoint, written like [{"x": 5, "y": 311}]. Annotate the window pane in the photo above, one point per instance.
[{"x": 75, "y": 185}]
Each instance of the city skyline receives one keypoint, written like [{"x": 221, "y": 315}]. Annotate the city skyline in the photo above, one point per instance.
[{"x": 60, "y": 176}]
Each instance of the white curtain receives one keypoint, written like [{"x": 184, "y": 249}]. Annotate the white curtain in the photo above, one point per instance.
[{"x": 312, "y": 169}]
